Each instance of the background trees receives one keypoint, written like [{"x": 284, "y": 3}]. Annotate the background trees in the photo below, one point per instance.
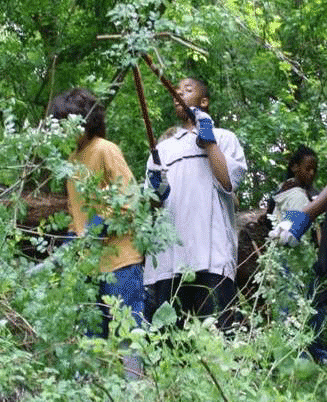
[{"x": 265, "y": 68}]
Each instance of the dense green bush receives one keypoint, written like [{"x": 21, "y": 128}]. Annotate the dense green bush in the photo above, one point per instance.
[
  {"x": 46, "y": 309},
  {"x": 50, "y": 359}
]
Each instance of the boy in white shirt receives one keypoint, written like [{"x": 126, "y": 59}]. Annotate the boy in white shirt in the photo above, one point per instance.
[{"x": 201, "y": 167}]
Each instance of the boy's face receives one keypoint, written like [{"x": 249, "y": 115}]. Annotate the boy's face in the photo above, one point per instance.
[{"x": 192, "y": 94}]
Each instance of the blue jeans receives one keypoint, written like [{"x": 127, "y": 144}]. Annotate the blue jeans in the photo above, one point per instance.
[{"x": 129, "y": 285}]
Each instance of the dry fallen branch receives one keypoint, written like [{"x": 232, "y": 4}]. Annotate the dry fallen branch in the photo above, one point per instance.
[{"x": 18, "y": 323}]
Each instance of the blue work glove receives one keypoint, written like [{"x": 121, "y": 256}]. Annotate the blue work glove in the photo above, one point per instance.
[
  {"x": 204, "y": 127},
  {"x": 301, "y": 222},
  {"x": 157, "y": 179},
  {"x": 291, "y": 230}
]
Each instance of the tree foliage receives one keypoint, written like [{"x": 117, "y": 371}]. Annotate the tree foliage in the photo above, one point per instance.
[{"x": 265, "y": 69}]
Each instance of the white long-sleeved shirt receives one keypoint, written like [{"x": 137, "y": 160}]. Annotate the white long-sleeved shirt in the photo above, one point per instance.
[
  {"x": 294, "y": 199},
  {"x": 200, "y": 208}
]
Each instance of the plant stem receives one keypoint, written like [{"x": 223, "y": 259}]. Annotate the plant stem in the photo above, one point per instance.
[{"x": 214, "y": 379}]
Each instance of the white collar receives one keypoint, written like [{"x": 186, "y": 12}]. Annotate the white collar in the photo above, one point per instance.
[{"x": 183, "y": 131}]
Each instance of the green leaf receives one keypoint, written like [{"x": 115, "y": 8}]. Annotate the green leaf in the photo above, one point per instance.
[{"x": 164, "y": 316}]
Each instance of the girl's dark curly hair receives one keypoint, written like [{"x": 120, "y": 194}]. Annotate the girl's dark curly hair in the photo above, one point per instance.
[{"x": 82, "y": 102}]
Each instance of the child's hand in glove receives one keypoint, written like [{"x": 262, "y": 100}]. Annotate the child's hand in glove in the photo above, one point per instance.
[
  {"x": 157, "y": 179},
  {"x": 291, "y": 230},
  {"x": 204, "y": 127}
]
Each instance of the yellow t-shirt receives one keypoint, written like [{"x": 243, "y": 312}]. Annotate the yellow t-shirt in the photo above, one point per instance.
[{"x": 101, "y": 155}]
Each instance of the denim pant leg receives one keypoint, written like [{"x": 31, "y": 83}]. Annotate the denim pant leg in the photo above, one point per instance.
[{"x": 128, "y": 285}]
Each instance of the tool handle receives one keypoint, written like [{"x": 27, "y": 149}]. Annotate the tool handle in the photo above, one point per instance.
[
  {"x": 169, "y": 86},
  {"x": 147, "y": 122}
]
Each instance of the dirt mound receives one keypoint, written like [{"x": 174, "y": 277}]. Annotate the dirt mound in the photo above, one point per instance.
[
  {"x": 252, "y": 233},
  {"x": 40, "y": 207}
]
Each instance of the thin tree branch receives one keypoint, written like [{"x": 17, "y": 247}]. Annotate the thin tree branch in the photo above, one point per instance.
[
  {"x": 52, "y": 80},
  {"x": 162, "y": 35}
]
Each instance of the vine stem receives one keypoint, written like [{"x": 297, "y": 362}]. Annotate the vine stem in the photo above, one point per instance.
[
  {"x": 276, "y": 364},
  {"x": 214, "y": 379},
  {"x": 257, "y": 251},
  {"x": 100, "y": 386}
]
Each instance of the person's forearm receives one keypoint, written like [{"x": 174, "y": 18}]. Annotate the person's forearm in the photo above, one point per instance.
[
  {"x": 218, "y": 165},
  {"x": 318, "y": 206}
]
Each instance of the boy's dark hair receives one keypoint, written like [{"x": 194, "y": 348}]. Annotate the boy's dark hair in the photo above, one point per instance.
[
  {"x": 204, "y": 87},
  {"x": 82, "y": 102},
  {"x": 297, "y": 158}
]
